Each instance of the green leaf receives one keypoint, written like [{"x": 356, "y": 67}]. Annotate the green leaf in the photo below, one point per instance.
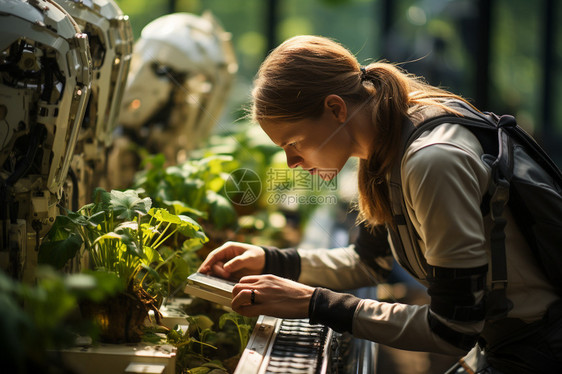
[
  {"x": 196, "y": 242},
  {"x": 93, "y": 285},
  {"x": 127, "y": 204},
  {"x": 175, "y": 335},
  {"x": 240, "y": 322},
  {"x": 155, "y": 162},
  {"x": 57, "y": 253},
  {"x": 181, "y": 208},
  {"x": 128, "y": 244},
  {"x": 154, "y": 274},
  {"x": 222, "y": 212},
  {"x": 244, "y": 331},
  {"x": 191, "y": 229},
  {"x": 127, "y": 225},
  {"x": 109, "y": 236},
  {"x": 79, "y": 220},
  {"x": 129, "y": 239},
  {"x": 97, "y": 218},
  {"x": 151, "y": 256},
  {"x": 214, "y": 364},
  {"x": 199, "y": 370},
  {"x": 185, "y": 224},
  {"x": 61, "y": 229},
  {"x": 102, "y": 200},
  {"x": 200, "y": 322},
  {"x": 216, "y": 184},
  {"x": 179, "y": 270},
  {"x": 228, "y": 317},
  {"x": 163, "y": 215}
]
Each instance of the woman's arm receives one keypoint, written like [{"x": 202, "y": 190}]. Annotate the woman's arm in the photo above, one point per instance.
[{"x": 365, "y": 263}]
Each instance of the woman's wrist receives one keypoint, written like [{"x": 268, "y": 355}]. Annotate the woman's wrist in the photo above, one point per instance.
[
  {"x": 285, "y": 263},
  {"x": 333, "y": 309}
]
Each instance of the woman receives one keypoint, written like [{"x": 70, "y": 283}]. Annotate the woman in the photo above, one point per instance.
[{"x": 314, "y": 100}]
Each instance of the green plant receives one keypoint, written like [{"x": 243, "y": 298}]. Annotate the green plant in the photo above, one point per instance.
[
  {"x": 39, "y": 318},
  {"x": 251, "y": 149},
  {"x": 190, "y": 188},
  {"x": 202, "y": 348},
  {"x": 243, "y": 326},
  {"x": 125, "y": 236}
]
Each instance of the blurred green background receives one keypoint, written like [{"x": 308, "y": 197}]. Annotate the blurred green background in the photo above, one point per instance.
[{"x": 502, "y": 55}]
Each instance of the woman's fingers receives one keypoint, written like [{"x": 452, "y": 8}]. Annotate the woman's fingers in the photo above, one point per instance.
[
  {"x": 219, "y": 270},
  {"x": 247, "y": 260},
  {"x": 272, "y": 296},
  {"x": 221, "y": 254},
  {"x": 234, "y": 259}
]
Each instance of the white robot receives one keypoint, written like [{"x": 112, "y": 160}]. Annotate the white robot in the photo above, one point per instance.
[
  {"x": 182, "y": 69},
  {"x": 45, "y": 76},
  {"x": 111, "y": 42}
]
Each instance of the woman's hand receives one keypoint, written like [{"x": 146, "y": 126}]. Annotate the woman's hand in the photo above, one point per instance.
[
  {"x": 273, "y": 296},
  {"x": 234, "y": 260}
]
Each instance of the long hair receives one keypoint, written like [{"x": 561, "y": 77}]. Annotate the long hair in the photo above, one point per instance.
[{"x": 299, "y": 74}]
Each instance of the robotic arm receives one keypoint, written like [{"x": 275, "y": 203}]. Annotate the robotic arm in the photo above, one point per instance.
[
  {"x": 110, "y": 42},
  {"x": 45, "y": 76}
]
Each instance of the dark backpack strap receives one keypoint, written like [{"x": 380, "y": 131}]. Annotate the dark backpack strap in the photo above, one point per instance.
[
  {"x": 404, "y": 237},
  {"x": 498, "y": 305},
  {"x": 483, "y": 127}
]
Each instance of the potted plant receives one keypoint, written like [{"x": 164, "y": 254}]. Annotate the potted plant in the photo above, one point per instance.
[{"x": 125, "y": 236}]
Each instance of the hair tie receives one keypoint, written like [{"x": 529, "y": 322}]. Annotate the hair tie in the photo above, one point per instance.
[{"x": 363, "y": 73}]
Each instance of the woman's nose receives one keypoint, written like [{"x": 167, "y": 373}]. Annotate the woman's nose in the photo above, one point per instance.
[{"x": 293, "y": 160}]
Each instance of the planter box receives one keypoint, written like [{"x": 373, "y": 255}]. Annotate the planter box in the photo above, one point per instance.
[
  {"x": 173, "y": 312},
  {"x": 121, "y": 358}
]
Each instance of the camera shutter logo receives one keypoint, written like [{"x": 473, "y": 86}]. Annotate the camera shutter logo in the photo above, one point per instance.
[{"x": 243, "y": 187}]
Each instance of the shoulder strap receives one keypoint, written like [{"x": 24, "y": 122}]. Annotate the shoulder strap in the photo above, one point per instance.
[
  {"x": 404, "y": 237},
  {"x": 483, "y": 127}
]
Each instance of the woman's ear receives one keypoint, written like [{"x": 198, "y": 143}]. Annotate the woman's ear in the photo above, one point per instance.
[{"x": 335, "y": 106}]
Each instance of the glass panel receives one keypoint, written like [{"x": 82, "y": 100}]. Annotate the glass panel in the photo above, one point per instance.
[
  {"x": 433, "y": 39},
  {"x": 353, "y": 23},
  {"x": 516, "y": 61}
]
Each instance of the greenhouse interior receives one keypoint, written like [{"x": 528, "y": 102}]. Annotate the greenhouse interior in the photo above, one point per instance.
[{"x": 130, "y": 152}]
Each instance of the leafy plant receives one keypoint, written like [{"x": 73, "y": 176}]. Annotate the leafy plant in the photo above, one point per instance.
[
  {"x": 242, "y": 325},
  {"x": 202, "y": 349},
  {"x": 190, "y": 188},
  {"x": 250, "y": 149},
  {"x": 125, "y": 236},
  {"x": 38, "y": 318}
]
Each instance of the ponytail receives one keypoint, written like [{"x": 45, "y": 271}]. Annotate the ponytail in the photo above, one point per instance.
[
  {"x": 389, "y": 107},
  {"x": 395, "y": 95}
]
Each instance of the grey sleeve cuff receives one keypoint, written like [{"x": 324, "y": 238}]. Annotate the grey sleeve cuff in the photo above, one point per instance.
[
  {"x": 332, "y": 309},
  {"x": 285, "y": 263}
]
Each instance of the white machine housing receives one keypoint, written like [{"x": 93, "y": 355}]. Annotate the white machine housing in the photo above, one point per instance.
[{"x": 45, "y": 76}]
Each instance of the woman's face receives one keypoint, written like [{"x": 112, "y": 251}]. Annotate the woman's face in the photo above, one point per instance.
[{"x": 321, "y": 146}]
